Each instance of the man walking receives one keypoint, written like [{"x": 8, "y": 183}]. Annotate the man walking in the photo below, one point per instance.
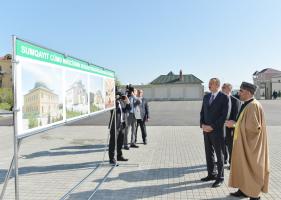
[
  {"x": 249, "y": 170},
  {"x": 212, "y": 118}
]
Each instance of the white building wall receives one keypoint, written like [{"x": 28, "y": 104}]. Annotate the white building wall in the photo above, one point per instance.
[
  {"x": 276, "y": 84},
  {"x": 172, "y": 92}
]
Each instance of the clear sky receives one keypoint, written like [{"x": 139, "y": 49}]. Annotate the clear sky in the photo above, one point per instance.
[{"x": 143, "y": 39}]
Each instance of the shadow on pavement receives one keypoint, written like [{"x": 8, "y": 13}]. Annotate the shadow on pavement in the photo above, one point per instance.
[
  {"x": 156, "y": 174},
  {"x": 142, "y": 191},
  {"x": 92, "y": 149},
  {"x": 50, "y": 168},
  {"x": 96, "y": 146}
]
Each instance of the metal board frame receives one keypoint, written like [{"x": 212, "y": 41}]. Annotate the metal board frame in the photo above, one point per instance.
[{"x": 18, "y": 138}]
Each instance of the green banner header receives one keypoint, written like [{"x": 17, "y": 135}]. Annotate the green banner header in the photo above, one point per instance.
[{"x": 29, "y": 50}]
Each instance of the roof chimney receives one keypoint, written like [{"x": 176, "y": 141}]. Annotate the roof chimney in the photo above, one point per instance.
[{"x": 181, "y": 76}]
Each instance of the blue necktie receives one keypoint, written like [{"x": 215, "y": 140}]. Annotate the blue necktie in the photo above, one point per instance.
[{"x": 211, "y": 99}]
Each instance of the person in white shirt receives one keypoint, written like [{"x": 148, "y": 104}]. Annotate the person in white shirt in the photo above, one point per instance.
[{"x": 233, "y": 109}]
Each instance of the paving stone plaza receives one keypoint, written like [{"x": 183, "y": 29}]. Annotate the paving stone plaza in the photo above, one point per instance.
[{"x": 169, "y": 167}]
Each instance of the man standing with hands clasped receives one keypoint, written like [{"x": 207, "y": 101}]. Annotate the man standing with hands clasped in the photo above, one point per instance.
[
  {"x": 249, "y": 171},
  {"x": 233, "y": 108},
  {"x": 212, "y": 119}
]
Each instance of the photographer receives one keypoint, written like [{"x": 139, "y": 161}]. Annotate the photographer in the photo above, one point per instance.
[
  {"x": 122, "y": 106},
  {"x": 131, "y": 118}
]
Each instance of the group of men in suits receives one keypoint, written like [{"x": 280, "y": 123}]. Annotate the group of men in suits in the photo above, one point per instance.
[
  {"x": 131, "y": 111},
  {"x": 219, "y": 114},
  {"x": 217, "y": 107}
]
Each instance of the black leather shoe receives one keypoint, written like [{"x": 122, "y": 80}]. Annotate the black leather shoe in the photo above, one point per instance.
[
  {"x": 134, "y": 146},
  {"x": 112, "y": 161},
  {"x": 255, "y": 198},
  {"x": 238, "y": 193},
  {"x": 127, "y": 148},
  {"x": 217, "y": 183},
  {"x": 208, "y": 178},
  {"x": 121, "y": 158},
  {"x": 144, "y": 142}
]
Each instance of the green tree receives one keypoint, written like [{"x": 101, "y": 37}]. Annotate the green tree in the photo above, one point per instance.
[
  {"x": 117, "y": 82},
  {"x": 6, "y": 98}
]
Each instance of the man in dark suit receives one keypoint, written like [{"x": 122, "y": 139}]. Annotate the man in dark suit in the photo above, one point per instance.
[
  {"x": 122, "y": 106},
  {"x": 144, "y": 111},
  {"x": 233, "y": 108},
  {"x": 212, "y": 119}
]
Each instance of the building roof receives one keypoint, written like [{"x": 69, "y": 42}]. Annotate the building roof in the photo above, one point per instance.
[
  {"x": 40, "y": 84},
  {"x": 172, "y": 78},
  {"x": 267, "y": 71}
]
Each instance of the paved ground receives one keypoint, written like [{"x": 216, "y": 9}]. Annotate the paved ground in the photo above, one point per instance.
[{"x": 169, "y": 167}]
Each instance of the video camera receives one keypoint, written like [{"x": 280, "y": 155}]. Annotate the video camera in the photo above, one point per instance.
[
  {"x": 119, "y": 95},
  {"x": 129, "y": 90}
]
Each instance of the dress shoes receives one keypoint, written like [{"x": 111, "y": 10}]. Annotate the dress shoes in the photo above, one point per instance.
[
  {"x": 134, "y": 146},
  {"x": 121, "y": 158},
  {"x": 217, "y": 183},
  {"x": 208, "y": 178},
  {"x": 255, "y": 198},
  {"x": 112, "y": 161},
  {"x": 144, "y": 142},
  {"x": 238, "y": 193},
  {"x": 127, "y": 148}
]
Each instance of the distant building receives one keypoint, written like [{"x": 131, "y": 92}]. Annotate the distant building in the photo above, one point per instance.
[
  {"x": 42, "y": 101},
  {"x": 266, "y": 80},
  {"x": 96, "y": 101},
  {"x": 276, "y": 84},
  {"x": 76, "y": 97},
  {"x": 6, "y": 80},
  {"x": 174, "y": 87}
]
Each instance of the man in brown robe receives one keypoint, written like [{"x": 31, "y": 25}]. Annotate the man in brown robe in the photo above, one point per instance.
[{"x": 249, "y": 170}]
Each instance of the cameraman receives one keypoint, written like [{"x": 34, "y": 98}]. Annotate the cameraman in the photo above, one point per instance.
[
  {"x": 122, "y": 106},
  {"x": 131, "y": 118}
]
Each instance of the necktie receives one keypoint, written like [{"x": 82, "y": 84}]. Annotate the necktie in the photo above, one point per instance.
[{"x": 211, "y": 99}]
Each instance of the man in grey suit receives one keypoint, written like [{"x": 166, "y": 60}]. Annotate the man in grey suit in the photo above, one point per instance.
[
  {"x": 144, "y": 111},
  {"x": 131, "y": 119},
  {"x": 233, "y": 108},
  {"x": 212, "y": 118}
]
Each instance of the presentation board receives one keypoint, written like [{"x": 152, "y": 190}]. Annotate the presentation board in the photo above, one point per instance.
[{"x": 52, "y": 88}]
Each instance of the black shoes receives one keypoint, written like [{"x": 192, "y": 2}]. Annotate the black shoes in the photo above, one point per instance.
[
  {"x": 238, "y": 193},
  {"x": 208, "y": 178},
  {"x": 134, "y": 146},
  {"x": 255, "y": 198},
  {"x": 144, "y": 142},
  {"x": 217, "y": 183},
  {"x": 112, "y": 161},
  {"x": 121, "y": 158},
  {"x": 127, "y": 148}
]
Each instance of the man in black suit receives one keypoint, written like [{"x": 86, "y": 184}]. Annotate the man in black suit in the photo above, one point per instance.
[
  {"x": 212, "y": 119},
  {"x": 233, "y": 108},
  {"x": 122, "y": 106}
]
